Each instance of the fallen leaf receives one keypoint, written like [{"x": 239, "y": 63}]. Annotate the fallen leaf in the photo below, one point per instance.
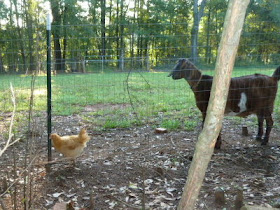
[
  {"x": 272, "y": 157},
  {"x": 56, "y": 195},
  {"x": 148, "y": 181},
  {"x": 49, "y": 202},
  {"x": 112, "y": 204},
  {"x": 107, "y": 163},
  {"x": 70, "y": 195},
  {"x": 133, "y": 186},
  {"x": 161, "y": 130}
]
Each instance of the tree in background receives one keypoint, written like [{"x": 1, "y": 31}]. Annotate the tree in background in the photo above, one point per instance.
[
  {"x": 56, "y": 7},
  {"x": 212, "y": 27},
  {"x": 4, "y": 17},
  {"x": 103, "y": 29},
  {"x": 198, "y": 12},
  {"x": 30, "y": 7},
  {"x": 259, "y": 35},
  {"x": 138, "y": 34}
]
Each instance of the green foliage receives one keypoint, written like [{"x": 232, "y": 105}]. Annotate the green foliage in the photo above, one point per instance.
[
  {"x": 190, "y": 125},
  {"x": 116, "y": 123},
  {"x": 147, "y": 34},
  {"x": 114, "y": 99},
  {"x": 171, "y": 124},
  {"x": 3, "y": 11},
  {"x": 99, "y": 98}
]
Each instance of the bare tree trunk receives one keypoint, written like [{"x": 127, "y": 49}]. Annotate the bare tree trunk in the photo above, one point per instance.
[
  {"x": 206, "y": 141},
  {"x": 118, "y": 33},
  {"x": 122, "y": 45},
  {"x": 198, "y": 13},
  {"x": 132, "y": 36},
  {"x": 59, "y": 62},
  {"x": 65, "y": 39},
  {"x": 103, "y": 33},
  {"x": 29, "y": 22},
  {"x": 208, "y": 44},
  {"x": 20, "y": 37},
  {"x": 2, "y": 69}
]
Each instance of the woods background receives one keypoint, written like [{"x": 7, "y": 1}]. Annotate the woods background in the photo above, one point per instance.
[
  {"x": 124, "y": 35},
  {"x": 111, "y": 58}
]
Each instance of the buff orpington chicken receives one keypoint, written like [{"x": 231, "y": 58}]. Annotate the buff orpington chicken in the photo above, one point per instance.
[{"x": 70, "y": 146}]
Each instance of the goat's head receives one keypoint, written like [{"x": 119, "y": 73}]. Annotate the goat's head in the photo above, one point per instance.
[{"x": 183, "y": 69}]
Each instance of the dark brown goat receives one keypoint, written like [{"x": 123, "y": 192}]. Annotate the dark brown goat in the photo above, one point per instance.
[{"x": 252, "y": 94}]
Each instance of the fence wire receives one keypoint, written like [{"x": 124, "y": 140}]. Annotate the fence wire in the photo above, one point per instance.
[{"x": 117, "y": 88}]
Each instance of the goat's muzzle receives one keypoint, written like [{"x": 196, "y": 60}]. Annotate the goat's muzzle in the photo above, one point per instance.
[{"x": 169, "y": 75}]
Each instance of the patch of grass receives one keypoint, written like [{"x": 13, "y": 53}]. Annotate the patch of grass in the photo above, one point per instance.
[
  {"x": 171, "y": 124},
  {"x": 114, "y": 123},
  {"x": 190, "y": 125},
  {"x": 153, "y": 96},
  {"x": 66, "y": 111}
]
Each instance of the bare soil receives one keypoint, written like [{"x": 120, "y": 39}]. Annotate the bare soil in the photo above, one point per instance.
[{"x": 137, "y": 168}]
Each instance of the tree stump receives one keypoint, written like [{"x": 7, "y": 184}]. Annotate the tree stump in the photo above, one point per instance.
[
  {"x": 238, "y": 202},
  {"x": 245, "y": 131},
  {"x": 220, "y": 196}
]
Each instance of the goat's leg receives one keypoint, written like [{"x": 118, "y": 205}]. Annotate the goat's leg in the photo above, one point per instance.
[
  {"x": 269, "y": 125},
  {"x": 218, "y": 142},
  {"x": 203, "y": 118},
  {"x": 260, "y": 127}
]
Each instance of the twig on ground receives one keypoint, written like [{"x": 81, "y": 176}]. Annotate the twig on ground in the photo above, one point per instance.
[
  {"x": 53, "y": 161},
  {"x": 9, "y": 143},
  {"x": 14, "y": 197},
  {"x": 143, "y": 189},
  {"x": 171, "y": 139},
  {"x": 129, "y": 205},
  {"x": 20, "y": 175},
  {"x": 129, "y": 93}
]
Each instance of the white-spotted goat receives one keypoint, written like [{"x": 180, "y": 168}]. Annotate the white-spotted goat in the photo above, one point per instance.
[{"x": 252, "y": 94}]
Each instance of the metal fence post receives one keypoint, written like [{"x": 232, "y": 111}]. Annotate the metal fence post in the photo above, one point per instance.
[{"x": 49, "y": 87}]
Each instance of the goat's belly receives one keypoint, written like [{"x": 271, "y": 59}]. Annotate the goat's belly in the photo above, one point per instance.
[
  {"x": 238, "y": 114},
  {"x": 241, "y": 106},
  {"x": 231, "y": 113}
]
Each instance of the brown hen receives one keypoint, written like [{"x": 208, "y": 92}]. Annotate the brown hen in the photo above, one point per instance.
[{"x": 70, "y": 146}]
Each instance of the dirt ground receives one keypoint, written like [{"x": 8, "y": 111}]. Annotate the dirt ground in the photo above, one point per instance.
[{"x": 138, "y": 168}]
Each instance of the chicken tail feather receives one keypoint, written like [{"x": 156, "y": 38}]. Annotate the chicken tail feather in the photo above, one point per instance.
[{"x": 83, "y": 136}]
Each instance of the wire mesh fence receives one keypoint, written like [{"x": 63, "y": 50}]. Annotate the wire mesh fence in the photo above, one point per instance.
[{"x": 117, "y": 87}]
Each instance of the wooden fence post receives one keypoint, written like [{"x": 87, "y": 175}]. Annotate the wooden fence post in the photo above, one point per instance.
[{"x": 233, "y": 25}]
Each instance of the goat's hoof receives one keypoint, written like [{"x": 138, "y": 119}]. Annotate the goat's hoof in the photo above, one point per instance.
[
  {"x": 258, "y": 138},
  {"x": 218, "y": 146},
  {"x": 264, "y": 142}
]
